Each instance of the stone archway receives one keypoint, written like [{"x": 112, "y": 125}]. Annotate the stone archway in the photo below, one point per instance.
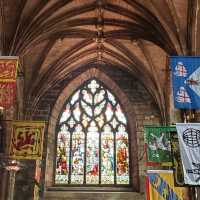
[{"x": 68, "y": 90}]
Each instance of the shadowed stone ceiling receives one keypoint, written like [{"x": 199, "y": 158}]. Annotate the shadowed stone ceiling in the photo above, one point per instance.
[{"x": 54, "y": 38}]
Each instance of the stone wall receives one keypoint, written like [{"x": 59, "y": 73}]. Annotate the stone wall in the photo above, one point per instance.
[{"x": 141, "y": 111}]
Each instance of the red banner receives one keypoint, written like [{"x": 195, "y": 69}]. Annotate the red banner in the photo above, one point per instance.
[
  {"x": 7, "y": 93},
  {"x": 8, "y": 74},
  {"x": 8, "y": 69}
]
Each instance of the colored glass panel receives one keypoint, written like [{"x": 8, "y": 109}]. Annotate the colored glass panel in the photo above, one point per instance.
[
  {"x": 78, "y": 140},
  {"x": 75, "y": 97},
  {"x": 77, "y": 112},
  {"x": 109, "y": 112},
  {"x": 92, "y": 155},
  {"x": 92, "y": 118},
  {"x": 122, "y": 154},
  {"x": 93, "y": 85},
  {"x": 62, "y": 159},
  {"x": 86, "y": 108},
  {"x": 120, "y": 115},
  {"x": 111, "y": 98},
  {"x": 99, "y": 96},
  {"x": 66, "y": 114},
  {"x": 98, "y": 109},
  {"x": 71, "y": 122},
  {"x": 100, "y": 120},
  {"x": 87, "y": 96},
  {"x": 107, "y": 156}
]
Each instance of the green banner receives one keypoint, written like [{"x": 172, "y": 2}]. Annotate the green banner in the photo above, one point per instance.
[{"x": 158, "y": 146}]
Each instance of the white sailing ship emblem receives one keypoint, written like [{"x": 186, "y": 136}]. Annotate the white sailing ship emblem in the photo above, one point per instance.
[
  {"x": 180, "y": 70},
  {"x": 182, "y": 96}
]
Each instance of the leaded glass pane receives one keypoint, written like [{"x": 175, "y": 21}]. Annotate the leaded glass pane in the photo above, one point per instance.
[
  {"x": 92, "y": 155},
  {"x": 109, "y": 112},
  {"x": 93, "y": 85},
  {"x": 66, "y": 114},
  {"x": 98, "y": 109},
  {"x": 71, "y": 122},
  {"x": 111, "y": 98},
  {"x": 107, "y": 156},
  {"x": 100, "y": 121},
  {"x": 77, "y": 112},
  {"x": 85, "y": 120},
  {"x": 75, "y": 97},
  {"x": 92, "y": 140},
  {"x": 120, "y": 115},
  {"x": 78, "y": 151},
  {"x": 62, "y": 159},
  {"x": 122, "y": 156},
  {"x": 86, "y": 108},
  {"x": 87, "y": 96},
  {"x": 99, "y": 96}
]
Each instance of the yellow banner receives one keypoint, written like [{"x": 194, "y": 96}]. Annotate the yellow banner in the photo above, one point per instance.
[
  {"x": 160, "y": 186},
  {"x": 27, "y": 139}
]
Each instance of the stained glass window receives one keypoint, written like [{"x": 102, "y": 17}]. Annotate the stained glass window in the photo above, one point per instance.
[{"x": 92, "y": 139}]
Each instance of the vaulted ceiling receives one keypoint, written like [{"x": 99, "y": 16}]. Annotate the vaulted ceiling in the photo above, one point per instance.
[{"x": 54, "y": 38}]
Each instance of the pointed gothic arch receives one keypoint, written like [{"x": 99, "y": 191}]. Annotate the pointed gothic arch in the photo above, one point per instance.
[{"x": 91, "y": 74}]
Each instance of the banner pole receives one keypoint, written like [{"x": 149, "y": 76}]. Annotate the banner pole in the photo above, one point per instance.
[
  {"x": 12, "y": 166},
  {"x": 11, "y": 184}
]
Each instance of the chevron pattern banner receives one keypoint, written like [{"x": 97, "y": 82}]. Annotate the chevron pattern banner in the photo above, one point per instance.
[{"x": 160, "y": 186}]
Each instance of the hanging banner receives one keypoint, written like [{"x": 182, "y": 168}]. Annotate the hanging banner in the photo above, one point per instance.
[
  {"x": 7, "y": 94},
  {"x": 186, "y": 81},
  {"x": 8, "y": 74},
  {"x": 176, "y": 160},
  {"x": 160, "y": 186},
  {"x": 157, "y": 145},
  {"x": 189, "y": 142},
  {"x": 8, "y": 68},
  {"x": 27, "y": 140}
]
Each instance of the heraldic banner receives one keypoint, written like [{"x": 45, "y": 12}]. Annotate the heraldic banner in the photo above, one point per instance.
[
  {"x": 27, "y": 140},
  {"x": 8, "y": 74},
  {"x": 186, "y": 81},
  {"x": 160, "y": 186},
  {"x": 189, "y": 142},
  {"x": 157, "y": 145}
]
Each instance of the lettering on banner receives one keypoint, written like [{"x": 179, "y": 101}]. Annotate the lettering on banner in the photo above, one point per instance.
[{"x": 8, "y": 69}]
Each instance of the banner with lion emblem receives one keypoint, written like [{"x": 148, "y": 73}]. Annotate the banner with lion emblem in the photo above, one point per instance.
[{"x": 27, "y": 139}]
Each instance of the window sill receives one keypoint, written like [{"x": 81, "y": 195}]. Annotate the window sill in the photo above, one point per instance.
[
  {"x": 52, "y": 194},
  {"x": 90, "y": 188}
]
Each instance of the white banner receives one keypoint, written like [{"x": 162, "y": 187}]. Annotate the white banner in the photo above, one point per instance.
[{"x": 189, "y": 142}]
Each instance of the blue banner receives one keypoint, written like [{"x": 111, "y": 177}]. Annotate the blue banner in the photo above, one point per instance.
[{"x": 186, "y": 81}]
